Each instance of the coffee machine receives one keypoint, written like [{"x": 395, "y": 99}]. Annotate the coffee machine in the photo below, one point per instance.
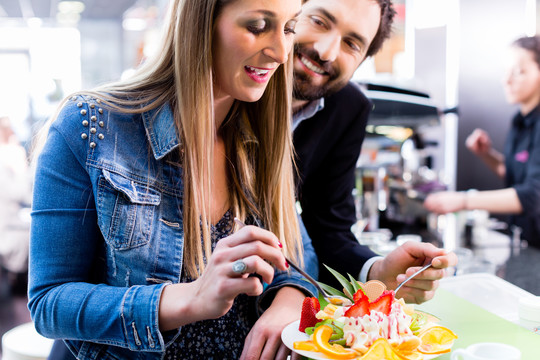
[{"x": 402, "y": 160}]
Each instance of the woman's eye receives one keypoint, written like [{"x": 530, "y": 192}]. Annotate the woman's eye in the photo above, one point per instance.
[
  {"x": 289, "y": 29},
  {"x": 318, "y": 22},
  {"x": 257, "y": 27}
]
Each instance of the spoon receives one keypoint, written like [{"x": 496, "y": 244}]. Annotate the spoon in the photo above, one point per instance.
[
  {"x": 333, "y": 299},
  {"x": 410, "y": 277}
]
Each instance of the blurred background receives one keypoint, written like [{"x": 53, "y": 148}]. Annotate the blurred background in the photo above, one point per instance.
[{"x": 445, "y": 56}]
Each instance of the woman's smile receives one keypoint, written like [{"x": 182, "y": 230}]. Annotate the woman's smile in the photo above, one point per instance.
[
  {"x": 259, "y": 75},
  {"x": 252, "y": 39}
]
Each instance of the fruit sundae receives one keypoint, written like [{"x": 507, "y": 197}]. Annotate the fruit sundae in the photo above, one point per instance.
[{"x": 375, "y": 325}]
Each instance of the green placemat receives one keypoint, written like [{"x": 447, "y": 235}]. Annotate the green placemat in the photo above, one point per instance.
[{"x": 473, "y": 324}]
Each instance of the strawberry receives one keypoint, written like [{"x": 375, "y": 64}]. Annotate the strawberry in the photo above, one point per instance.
[
  {"x": 383, "y": 303},
  {"x": 358, "y": 295},
  {"x": 359, "y": 309},
  {"x": 310, "y": 308}
]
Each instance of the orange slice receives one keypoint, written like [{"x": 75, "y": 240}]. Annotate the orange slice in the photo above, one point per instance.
[
  {"x": 436, "y": 340},
  {"x": 305, "y": 345},
  {"x": 411, "y": 355},
  {"x": 381, "y": 349},
  {"x": 409, "y": 344},
  {"x": 321, "y": 335}
]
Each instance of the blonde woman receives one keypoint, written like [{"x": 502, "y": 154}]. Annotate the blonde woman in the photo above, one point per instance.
[{"x": 134, "y": 252}]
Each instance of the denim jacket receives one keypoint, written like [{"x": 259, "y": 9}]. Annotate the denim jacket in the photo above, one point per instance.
[{"x": 107, "y": 231}]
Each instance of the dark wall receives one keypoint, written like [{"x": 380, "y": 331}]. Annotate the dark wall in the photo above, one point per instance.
[{"x": 487, "y": 27}]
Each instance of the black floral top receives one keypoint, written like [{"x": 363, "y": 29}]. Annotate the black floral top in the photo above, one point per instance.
[{"x": 221, "y": 338}]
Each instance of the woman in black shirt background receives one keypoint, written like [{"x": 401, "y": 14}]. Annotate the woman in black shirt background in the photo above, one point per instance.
[{"x": 519, "y": 166}]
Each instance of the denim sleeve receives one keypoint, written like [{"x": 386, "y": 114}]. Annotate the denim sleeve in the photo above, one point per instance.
[
  {"x": 66, "y": 298},
  {"x": 311, "y": 261},
  {"x": 293, "y": 277}
]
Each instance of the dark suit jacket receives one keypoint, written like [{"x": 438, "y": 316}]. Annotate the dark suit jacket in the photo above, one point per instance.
[{"x": 327, "y": 147}]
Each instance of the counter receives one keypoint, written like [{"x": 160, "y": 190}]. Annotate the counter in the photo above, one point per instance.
[
  {"x": 516, "y": 264},
  {"x": 523, "y": 270},
  {"x": 504, "y": 256}
]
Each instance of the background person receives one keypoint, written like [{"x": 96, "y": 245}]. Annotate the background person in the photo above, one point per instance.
[
  {"x": 15, "y": 190},
  {"x": 519, "y": 166},
  {"x": 333, "y": 38},
  {"x": 134, "y": 253}
]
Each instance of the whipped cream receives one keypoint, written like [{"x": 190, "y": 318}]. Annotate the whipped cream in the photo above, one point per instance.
[{"x": 361, "y": 332}]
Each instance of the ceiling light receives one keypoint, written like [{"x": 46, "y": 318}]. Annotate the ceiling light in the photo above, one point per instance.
[
  {"x": 68, "y": 19},
  {"x": 66, "y": 7}
]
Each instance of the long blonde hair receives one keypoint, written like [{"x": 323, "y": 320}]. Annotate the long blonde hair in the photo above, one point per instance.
[{"x": 257, "y": 135}]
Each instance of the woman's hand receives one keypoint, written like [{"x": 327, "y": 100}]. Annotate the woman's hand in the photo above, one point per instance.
[
  {"x": 446, "y": 202},
  {"x": 213, "y": 293},
  {"x": 478, "y": 142},
  {"x": 406, "y": 260},
  {"x": 264, "y": 339}
]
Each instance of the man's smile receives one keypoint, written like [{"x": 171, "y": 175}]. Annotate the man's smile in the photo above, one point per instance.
[{"x": 311, "y": 65}]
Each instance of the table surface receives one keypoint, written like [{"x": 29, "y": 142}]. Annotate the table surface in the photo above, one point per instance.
[
  {"x": 488, "y": 291},
  {"x": 474, "y": 324}
]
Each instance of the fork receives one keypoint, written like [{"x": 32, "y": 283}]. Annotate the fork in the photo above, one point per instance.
[
  {"x": 413, "y": 275},
  {"x": 333, "y": 299}
]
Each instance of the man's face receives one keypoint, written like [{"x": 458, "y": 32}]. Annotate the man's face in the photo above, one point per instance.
[{"x": 332, "y": 38}]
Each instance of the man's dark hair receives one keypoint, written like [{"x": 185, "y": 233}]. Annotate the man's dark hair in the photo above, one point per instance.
[{"x": 385, "y": 27}]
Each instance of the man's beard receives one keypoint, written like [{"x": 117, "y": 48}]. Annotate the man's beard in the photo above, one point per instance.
[{"x": 303, "y": 89}]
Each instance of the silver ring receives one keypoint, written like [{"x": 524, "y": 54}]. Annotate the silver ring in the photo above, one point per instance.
[{"x": 239, "y": 267}]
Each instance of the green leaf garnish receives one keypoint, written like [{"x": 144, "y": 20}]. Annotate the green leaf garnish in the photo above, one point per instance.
[
  {"x": 322, "y": 301},
  {"x": 330, "y": 290},
  {"x": 343, "y": 281},
  {"x": 355, "y": 284}
]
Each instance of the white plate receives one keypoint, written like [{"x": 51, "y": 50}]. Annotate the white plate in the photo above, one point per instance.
[{"x": 291, "y": 334}]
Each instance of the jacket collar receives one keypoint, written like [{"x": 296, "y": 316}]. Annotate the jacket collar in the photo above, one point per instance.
[
  {"x": 526, "y": 121},
  {"x": 161, "y": 131}
]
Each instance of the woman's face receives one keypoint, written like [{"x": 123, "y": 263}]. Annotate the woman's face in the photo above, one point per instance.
[
  {"x": 251, "y": 39},
  {"x": 522, "y": 82}
]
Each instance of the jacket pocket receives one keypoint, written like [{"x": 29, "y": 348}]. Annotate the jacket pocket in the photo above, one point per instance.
[{"x": 125, "y": 210}]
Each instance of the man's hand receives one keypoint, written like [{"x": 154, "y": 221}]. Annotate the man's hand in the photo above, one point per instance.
[
  {"x": 264, "y": 339},
  {"x": 407, "y": 259}
]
